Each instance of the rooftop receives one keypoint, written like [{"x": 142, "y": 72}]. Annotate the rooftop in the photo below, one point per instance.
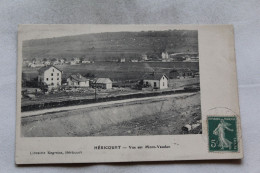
[
  {"x": 154, "y": 76},
  {"x": 78, "y": 78},
  {"x": 43, "y": 69},
  {"x": 181, "y": 70},
  {"x": 103, "y": 80}
]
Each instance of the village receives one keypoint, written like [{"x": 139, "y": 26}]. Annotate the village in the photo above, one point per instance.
[
  {"x": 165, "y": 57},
  {"x": 53, "y": 83}
]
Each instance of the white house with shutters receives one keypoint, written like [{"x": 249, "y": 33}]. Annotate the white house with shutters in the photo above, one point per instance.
[
  {"x": 50, "y": 76},
  {"x": 156, "y": 80}
]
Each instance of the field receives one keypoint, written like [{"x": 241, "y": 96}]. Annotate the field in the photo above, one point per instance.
[
  {"x": 165, "y": 115},
  {"x": 116, "y": 71}
]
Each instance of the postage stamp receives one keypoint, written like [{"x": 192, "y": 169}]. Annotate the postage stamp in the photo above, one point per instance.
[{"x": 222, "y": 134}]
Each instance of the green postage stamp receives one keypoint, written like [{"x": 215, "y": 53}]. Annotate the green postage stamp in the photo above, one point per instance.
[{"x": 222, "y": 133}]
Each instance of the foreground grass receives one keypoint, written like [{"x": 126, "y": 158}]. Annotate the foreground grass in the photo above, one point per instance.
[{"x": 147, "y": 117}]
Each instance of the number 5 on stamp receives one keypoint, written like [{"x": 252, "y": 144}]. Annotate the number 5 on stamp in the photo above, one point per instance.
[{"x": 222, "y": 133}]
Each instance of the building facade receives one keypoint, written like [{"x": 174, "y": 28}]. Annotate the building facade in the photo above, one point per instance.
[
  {"x": 156, "y": 81},
  {"x": 50, "y": 76},
  {"x": 121, "y": 60},
  {"x": 165, "y": 56}
]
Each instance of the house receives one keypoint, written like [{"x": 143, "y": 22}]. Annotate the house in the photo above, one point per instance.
[
  {"x": 194, "y": 59},
  {"x": 85, "y": 62},
  {"x": 46, "y": 63},
  {"x": 73, "y": 62},
  {"x": 165, "y": 56},
  {"x": 180, "y": 73},
  {"x": 31, "y": 65},
  {"x": 197, "y": 74},
  {"x": 177, "y": 57},
  {"x": 191, "y": 59},
  {"x": 134, "y": 60},
  {"x": 26, "y": 62},
  {"x": 156, "y": 80},
  {"x": 56, "y": 62},
  {"x": 121, "y": 60},
  {"x": 104, "y": 83},
  {"x": 77, "y": 80},
  {"x": 50, "y": 76},
  {"x": 187, "y": 59},
  {"x": 77, "y": 60},
  {"x": 144, "y": 57},
  {"x": 62, "y": 61},
  {"x": 36, "y": 64},
  {"x": 167, "y": 60}
]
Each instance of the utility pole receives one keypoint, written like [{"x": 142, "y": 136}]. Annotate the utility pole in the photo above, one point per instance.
[{"x": 96, "y": 91}]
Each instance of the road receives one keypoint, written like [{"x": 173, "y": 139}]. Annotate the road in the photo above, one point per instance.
[{"x": 39, "y": 112}]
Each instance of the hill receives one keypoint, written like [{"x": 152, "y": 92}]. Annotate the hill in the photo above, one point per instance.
[{"x": 111, "y": 45}]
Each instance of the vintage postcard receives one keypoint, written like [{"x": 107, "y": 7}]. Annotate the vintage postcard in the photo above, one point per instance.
[{"x": 126, "y": 93}]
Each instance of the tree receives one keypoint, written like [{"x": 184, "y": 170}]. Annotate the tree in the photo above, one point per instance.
[
  {"x": 53, "y": 59},
  {"x": 82, "y": 58},
  {"x": 90, "y": 75}
]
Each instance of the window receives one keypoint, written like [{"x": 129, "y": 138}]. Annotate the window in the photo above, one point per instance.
[
  {"x": 52, "y": 83},
  {"x": 51, "y": 78},
  {"x": 154, "y": 84},
  {"x": 58, "y": 74},
  {"x": 163, "y": 84},
  {"x": 53, "y": 70},
  {"x": 52, "y": 74},
  {"x": 47, "y": 79},
  {"x": 58, "y": 78}
]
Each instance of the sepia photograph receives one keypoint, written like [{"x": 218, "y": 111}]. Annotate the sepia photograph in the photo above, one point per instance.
[{"x": 124, "y": 83}]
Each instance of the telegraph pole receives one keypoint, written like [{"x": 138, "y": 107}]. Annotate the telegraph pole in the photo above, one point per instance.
[{"x": 96, "y": 91}]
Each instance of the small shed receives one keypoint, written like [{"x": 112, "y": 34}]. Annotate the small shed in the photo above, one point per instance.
[
  {"x": 180, "y": 72},
  {"x": 104, "y": 83}
]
